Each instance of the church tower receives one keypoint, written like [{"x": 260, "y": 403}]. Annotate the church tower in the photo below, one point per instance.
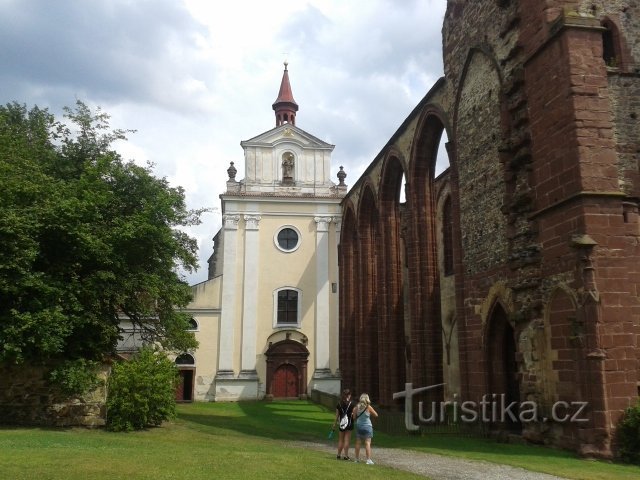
[{"x": 274, "y": 270}]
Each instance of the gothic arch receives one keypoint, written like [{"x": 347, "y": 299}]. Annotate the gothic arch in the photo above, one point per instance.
[
  {"x": 499, "y": 293},
  {"x": 562, "y": 344},
  {"x": 487, "y": 52},
  {"x": 367, "y": 365},
  {"x": 431, "y": 124},
  {"x": 391, "y": 266},
  {"x": 348, "y": 304},
  {"x": 369, "y": 192},
  {"x": 478, "y": 131},
  {"x": 502, "y": 372},
  {"x": 423, "y": 277}
]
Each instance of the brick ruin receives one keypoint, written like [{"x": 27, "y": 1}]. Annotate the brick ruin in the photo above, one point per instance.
[{"x": 515, "y": 272}]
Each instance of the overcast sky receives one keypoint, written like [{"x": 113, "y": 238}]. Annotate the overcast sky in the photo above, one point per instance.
[{"x": 195, "y": 77}]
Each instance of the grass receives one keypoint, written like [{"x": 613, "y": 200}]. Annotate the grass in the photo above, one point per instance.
[{"x": 245, "y": 440}]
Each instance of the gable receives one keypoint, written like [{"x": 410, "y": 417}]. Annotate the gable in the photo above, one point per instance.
[{"x": 287, "y": 133}]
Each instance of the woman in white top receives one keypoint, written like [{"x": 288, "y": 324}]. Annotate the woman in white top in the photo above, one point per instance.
[{"x": 364, "y": 429}]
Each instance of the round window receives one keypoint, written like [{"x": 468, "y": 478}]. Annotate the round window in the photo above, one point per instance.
[{"x": 288, "y": 239}]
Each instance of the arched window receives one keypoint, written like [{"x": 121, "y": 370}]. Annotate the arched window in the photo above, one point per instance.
[
  {"x": 610, "y": 50},
  {"x": 287, "y": 311},
  {"x": 447, "y": 236},
  {"x": 185, "y": 359},
  {"x": 193, "y": 325}
]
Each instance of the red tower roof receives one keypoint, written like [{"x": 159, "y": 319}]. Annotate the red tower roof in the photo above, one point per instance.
[{"x": 285, "y": 106}]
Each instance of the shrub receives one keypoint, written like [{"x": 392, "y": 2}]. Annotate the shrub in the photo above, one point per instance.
[
  {"x": 141, "y": 392},
  {"x": 629, "y": 435},
  {"x": 76, "y": 377}
]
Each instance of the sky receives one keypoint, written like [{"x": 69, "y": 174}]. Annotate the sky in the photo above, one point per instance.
[{"x": 195, "y": 77}]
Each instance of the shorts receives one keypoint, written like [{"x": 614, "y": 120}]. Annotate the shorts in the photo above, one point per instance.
[{"x": 364, "y": 432}]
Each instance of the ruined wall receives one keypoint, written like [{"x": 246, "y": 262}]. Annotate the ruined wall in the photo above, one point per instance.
[
  {"x": 482, "y": 189},
  {"x": 624, "y": 93},
  {"x": 543, "y": 143},
  {"x": 27, "y": 398}
]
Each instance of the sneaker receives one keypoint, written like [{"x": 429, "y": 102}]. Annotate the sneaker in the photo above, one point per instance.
[
  {"x": 369, "y": 461},
  {"x": 357, "y": 460},
  {"x": 346, "y": 458},
  {"x": 337, "y": 457}
]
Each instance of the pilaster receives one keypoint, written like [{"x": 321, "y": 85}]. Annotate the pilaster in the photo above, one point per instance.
[
  {"x": 250, "y": 296},
  {"x": 226, "y": 339}
]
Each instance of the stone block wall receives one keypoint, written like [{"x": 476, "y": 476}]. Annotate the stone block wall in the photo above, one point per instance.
[{"x": 27, "y": 398}]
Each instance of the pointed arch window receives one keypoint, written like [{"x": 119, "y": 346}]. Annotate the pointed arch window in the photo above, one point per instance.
[
  {"x": 447, "y": 236},
  {"x": 610, "y": 47}
]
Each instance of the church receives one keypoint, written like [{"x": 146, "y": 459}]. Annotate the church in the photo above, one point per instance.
[{"x": 267, "y": 317}]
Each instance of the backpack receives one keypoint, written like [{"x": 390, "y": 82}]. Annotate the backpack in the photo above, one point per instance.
[{"x": 344, "y": 418}]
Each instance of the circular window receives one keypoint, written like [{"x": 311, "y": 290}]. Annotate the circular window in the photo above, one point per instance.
[{"x": 287, "y": 239}]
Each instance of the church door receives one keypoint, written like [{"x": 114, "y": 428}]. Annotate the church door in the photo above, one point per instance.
[
  {"x": 285, "y": 382},
  {"x": 184, "y": 390}
]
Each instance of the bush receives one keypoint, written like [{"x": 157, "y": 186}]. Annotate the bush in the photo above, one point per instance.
[
  {"x": 141, "y": 392},
  {"x": 76, "y": 377},
  {"x": 629, "y": 435}
]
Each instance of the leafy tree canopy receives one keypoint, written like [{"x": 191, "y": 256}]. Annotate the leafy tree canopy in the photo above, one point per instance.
[{"x": 86, "y": 238}]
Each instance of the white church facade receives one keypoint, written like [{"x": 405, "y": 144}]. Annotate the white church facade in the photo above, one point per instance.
[{"x": 267, "y": 317}]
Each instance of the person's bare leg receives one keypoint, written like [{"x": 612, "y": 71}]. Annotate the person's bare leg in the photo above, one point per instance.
[
  {"x": 367, "y": 447},
  {"x": 347, "y": 441},
  {"x": 357, "y": 449},
  {"x": 340, "y": 442}
]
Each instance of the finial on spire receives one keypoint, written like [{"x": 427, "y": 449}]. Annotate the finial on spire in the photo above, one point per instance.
[{"x": 285, "y": 106}]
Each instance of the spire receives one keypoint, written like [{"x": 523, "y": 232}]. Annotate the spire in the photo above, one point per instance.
[{"x": 285, "y": 106}]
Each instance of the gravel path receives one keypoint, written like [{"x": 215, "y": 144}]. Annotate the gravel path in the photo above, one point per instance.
[{"x": 439, "y": 467}]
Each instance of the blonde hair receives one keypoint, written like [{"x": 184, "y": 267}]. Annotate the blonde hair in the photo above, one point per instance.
[{"x": 364, "y": 402}]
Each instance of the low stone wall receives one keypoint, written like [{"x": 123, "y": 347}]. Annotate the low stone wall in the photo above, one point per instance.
[
  {"x": 27, "y": 398},
  {"x": 328, "y": 400}
]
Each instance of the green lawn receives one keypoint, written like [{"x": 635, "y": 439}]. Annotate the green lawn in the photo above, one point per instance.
[{"x": 245, "y": 440}]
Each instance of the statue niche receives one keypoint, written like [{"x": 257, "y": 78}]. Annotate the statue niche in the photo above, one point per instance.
[{"x": 288, "y": 166}]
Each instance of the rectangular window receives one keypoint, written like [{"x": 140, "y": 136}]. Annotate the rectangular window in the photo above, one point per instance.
[{"x": 287, "y": 307}]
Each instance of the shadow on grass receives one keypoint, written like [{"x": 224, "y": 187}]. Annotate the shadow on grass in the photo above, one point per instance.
[
  {"x": 306, "y": 421},
  {"x": 291, "y": 420}
]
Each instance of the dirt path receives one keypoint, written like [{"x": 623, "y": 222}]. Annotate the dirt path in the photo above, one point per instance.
[{"x": 439, "y": 467}]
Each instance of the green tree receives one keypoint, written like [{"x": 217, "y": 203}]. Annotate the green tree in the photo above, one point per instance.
[{"x": 87, "y": 238}]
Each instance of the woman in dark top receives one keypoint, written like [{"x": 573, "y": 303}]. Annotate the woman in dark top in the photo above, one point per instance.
[{"x": 344, "y": 421}]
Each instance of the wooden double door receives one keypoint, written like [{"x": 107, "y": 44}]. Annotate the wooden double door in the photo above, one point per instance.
[{"x": 287, "y": 369}]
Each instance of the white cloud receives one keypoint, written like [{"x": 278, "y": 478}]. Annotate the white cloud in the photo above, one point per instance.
[{"x": 195, "y": 77}]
